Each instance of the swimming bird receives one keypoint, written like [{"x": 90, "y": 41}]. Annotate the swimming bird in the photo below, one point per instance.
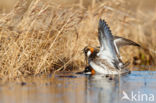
[{"x": 106, "y": 58}]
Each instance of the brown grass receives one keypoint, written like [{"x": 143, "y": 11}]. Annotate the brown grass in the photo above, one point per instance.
[{"x": 41, "y": 36}]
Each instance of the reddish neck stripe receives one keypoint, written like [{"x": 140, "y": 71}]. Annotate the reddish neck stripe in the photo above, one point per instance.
[
  {"x": 92, "y": 50},
  {"x": 92, "y": 71}
]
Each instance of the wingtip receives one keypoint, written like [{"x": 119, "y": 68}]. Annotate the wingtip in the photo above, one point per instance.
[
  {"x": 136, "y": 44},
  {"x": 139, "y": 45},
  {"x": 102, "y": 23},
  {"x": 100, "y": 20}
]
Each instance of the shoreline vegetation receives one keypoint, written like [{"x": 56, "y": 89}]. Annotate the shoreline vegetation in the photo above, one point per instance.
[{"x": 43, "y": 36}]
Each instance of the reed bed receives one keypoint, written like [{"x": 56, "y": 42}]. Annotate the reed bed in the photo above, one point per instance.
[{"x": 43, "y": 36}]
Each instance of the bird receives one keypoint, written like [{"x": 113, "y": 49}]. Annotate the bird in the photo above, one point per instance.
[
  {"x": 118, "y": 41},
  {"x": 106, "y": 59}
]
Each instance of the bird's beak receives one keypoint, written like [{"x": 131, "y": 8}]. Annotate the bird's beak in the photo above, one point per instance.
[{"x": 86, "y": 61}]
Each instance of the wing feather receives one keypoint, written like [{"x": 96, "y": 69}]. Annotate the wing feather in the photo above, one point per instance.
[
  {"x": 120, "y": 41},
  {"x": 106, "y": 40}
]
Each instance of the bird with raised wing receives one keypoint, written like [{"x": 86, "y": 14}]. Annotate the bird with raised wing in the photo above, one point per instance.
[{"x": 106, "y": 58}]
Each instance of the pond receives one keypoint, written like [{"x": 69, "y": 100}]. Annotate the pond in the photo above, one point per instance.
[{"x": 137, "y": 87}]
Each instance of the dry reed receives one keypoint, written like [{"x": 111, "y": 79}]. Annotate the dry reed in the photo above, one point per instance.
[{"x": 42, "y": 36}]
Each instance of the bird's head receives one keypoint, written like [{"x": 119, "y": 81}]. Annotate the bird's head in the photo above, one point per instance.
[{"x": 88, "y": 51}]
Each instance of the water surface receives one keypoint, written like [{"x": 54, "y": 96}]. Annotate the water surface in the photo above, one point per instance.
[{"x": 74, "y": 88}]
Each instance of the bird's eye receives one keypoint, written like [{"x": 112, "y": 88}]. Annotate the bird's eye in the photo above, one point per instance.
[{"x": 86, "y": 51}]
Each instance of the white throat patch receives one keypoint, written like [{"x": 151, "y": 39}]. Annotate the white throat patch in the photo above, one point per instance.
[{"x": 88, "y": 53}]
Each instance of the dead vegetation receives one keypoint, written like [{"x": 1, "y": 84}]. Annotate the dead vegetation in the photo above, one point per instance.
[{"x": 41, "y": 36}]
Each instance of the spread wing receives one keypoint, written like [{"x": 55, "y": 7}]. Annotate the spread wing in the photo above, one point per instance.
[
  {"x": 106, "y": 40},
  {"x": 120, "y": 41}
]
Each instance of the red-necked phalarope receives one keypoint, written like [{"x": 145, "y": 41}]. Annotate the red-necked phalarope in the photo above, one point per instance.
[{"x": 106, "y": 59}]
